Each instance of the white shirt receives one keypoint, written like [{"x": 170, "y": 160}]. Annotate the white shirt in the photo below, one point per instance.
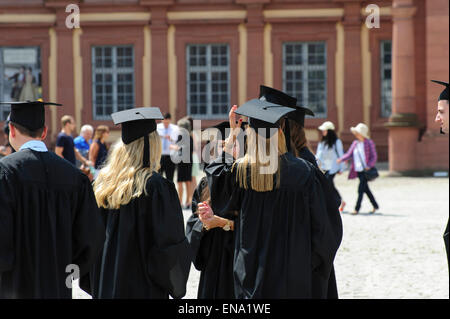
[
  {"x": 327, "y": 157},
  {"x": 358, "y": 155},
  {"x": 172, "y": 131},
  {"x": 34, "y": 145}
]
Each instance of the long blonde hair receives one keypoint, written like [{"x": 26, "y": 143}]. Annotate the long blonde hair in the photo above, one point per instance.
[
  {"x": 258, "y": 181},
  {"x": 124, "y": 177}
]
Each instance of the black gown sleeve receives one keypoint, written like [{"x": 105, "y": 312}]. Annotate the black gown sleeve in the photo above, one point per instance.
[
  {"x": 169, "y": 259},
  {"x": 194, "y": 227},
  {"x": 88, "y": 230},
  {"x": 324, "y": 240},
  {"x": 6, "y": 221},
  {"x": 225, "y": 194}
]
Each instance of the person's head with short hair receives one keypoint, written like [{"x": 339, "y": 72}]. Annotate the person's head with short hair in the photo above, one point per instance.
[
  {"x": 19, "y": 135},
  {"x": 87, "y": 131},
  {"x": 68, "y": 123},
  {"x": 442, "y": 108},
  {"x": 27, "y": 122},
  {"x": 167, "y": 119},
  {"x": 101, "y": 133}
]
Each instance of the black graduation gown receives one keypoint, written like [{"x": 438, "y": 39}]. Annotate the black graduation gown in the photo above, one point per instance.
[
  {"x": 146, "y": 254},
  {"x": 212, "y": 251},
  {"x": 306, "y": 154},
  {"x": 447, "y": 246},
  {"x": 284, "y": 241},
  {"x": 332, "y": 203},
  {"x": 49, "y": 219}
]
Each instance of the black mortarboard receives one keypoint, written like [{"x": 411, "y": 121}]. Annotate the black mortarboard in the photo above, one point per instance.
[
  {"x": 263, "y": 114},
  {"x": 136, "y": 123},
  {"x": 444, "y": 94},
  {"x": 299, "y": 114},
  {"x": 275, "y": 96},
  {"x": 29, "y": 114}
]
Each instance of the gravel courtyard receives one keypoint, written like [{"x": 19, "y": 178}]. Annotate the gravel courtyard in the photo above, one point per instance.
[{"x": 397, "y": 252}]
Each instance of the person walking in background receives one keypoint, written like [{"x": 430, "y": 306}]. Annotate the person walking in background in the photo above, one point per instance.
[
  {"x": 98, "y": 150},
  {"x": 65, "y": 146},
  {"x": 328, "y": 151},
  {"x": 169, "y": 135},
  {"x": 184, "y": 167},
  {"x": 363, "y": 154},
  {"x": 83, "y": 141}
]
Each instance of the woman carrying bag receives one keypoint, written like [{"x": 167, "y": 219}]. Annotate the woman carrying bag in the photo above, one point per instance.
[{"x": 364, "y": 156}]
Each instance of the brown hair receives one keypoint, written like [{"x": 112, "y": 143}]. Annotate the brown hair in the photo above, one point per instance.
[
  {"x": 27, "y": 132},
  {"x": 99, "y": 131},
  {"x": 298, "y": 136}
]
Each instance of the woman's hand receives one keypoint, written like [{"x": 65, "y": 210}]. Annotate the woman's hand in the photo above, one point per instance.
[
  {"x": 204, "y": 211},
  {"x": 339, "y": 161}
]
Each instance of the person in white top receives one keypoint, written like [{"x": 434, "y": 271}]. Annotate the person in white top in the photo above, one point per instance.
[
  {"x": 328, "y": 151},
  {"x": 169, "y": 135}
]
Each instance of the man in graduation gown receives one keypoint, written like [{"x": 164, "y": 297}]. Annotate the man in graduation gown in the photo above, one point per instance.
[
  {"x": 442, "y": 117},
  {"x": 49, "y": 219},
  {"x": 285, "y": 244}
]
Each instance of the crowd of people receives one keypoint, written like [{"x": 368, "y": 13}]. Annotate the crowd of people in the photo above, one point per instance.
[{"x": 265, "y": 217}]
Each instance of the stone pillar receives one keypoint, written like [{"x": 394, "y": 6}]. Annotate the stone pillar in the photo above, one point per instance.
[
  {"x": 353, "y": 82},
  {"x": 255, "y": 45},
  {"x": 159, "y": 60},
  {"x": 64, "y": 66},
  {"x": 403, "y": 124}
]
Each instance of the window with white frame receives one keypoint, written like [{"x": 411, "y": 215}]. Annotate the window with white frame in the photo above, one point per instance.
[
  {"x": 386, "y": 78},
  {"x": 20, "y": 76},
  {"x": 112, "y": 80},
  {"x": 208, "y": 80},
  {"x": 305, "y": 74}
]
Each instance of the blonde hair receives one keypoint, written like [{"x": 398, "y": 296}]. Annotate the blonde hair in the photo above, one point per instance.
[
  {"x": 99, "y": 131},
  {"x": 124, "y": 177},
  {"x": 260, "y": 182}
]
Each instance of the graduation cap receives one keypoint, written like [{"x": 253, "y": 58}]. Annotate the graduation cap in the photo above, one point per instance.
[
  {"x": 444, "y": 94},
  {"x": 281, "y": 98},
  {"x": 299, "y": 114},
  {"x": 263, "y": 114},
  {"x": 136, "y": 123},
  {"x": 29, "y": 114}
]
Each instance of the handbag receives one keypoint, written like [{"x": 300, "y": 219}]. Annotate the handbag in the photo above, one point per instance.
[{"x": 372, "y": 173}]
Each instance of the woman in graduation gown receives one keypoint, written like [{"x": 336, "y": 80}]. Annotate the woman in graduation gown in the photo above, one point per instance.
[
  {"x": 284, "y": 246},
  {"x": 212, "y": 249},
  {"x": 293, "y": 127},
  {"x": 146, "y": 254}
]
